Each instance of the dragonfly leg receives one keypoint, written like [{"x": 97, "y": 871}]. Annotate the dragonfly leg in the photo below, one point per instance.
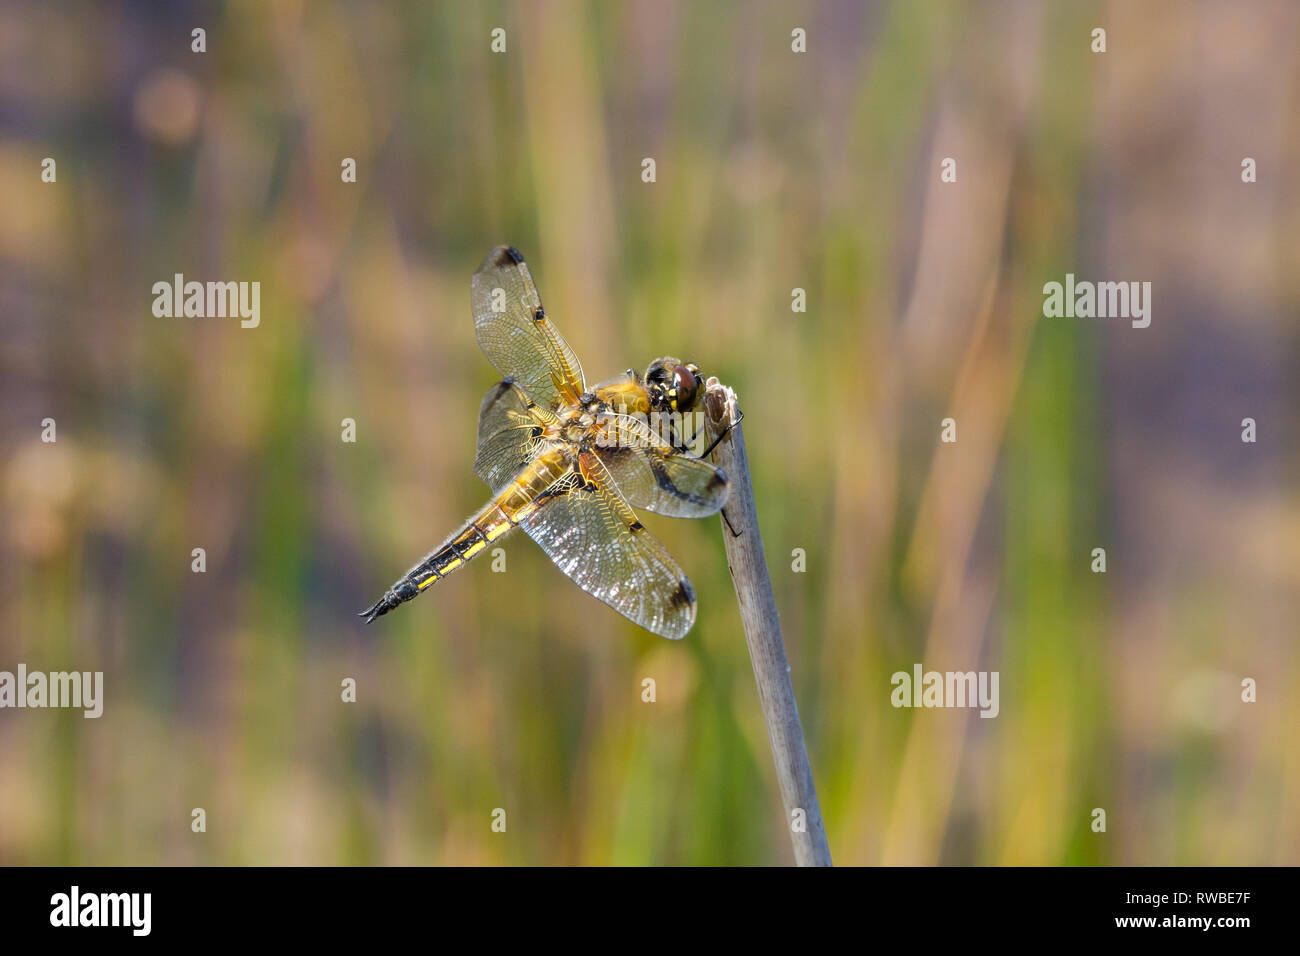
[{"x": 722, "y": 435}]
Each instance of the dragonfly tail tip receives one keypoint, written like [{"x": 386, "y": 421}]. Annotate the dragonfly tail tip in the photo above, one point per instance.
[{"x": 374, "y": 611}]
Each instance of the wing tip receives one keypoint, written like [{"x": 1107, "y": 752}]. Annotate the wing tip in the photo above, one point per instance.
[
  {"x": 682, "y": 602},
  {"x": 685, "y": 593},
  {"x": 500, "y": 257},
  {"x": 720, "y": 488},
  {"x": 505, "y": 255}
]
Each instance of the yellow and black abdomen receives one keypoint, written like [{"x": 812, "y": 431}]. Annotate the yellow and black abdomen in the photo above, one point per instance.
[{"x": 496, "y": 519}]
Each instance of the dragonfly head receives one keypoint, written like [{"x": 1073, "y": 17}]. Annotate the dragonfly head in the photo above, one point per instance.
[{"x": 673, "y": 386}]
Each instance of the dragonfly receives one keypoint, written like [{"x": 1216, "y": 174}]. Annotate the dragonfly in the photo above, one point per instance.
[{"x": 567, "y": 463}]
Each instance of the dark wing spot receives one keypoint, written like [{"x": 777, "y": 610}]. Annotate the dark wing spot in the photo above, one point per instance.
[
  {"x": 502, "y": 387},
  {"x": 684, "y": 596},
  {"x": 665, "y": 481},
  {"x": 539, "y": 315},
  {"x": 636, "y": 526}
]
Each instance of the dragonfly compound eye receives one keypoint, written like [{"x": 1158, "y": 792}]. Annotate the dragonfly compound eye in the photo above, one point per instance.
[{"x": 686, "y": 385}]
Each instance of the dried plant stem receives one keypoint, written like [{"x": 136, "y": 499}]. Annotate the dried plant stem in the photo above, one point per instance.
[{"x": 748, "y": 567}]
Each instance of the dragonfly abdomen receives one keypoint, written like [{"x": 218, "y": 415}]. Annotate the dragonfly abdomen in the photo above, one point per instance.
[
  {"x": 497, "y": 518},
  {"x": 457, "y": 551}
]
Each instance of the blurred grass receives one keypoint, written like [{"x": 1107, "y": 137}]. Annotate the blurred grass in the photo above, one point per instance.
[{"x": 775, "y": 171}]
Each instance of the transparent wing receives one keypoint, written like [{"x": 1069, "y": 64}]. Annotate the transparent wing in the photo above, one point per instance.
[
  {"x": 509, "y": 433},
  {"x": 515, "y": 333},
  {"x": 593, "y": 537},
  {"x": 652, "y": 474}
]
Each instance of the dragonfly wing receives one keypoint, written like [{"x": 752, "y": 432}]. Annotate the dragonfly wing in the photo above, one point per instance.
[
  {"x": 517, "y": 336},
  {"x": 509, "y": 433},
  {"x": 652, "y": 474},
  {"x": 592, "y": 535}
]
